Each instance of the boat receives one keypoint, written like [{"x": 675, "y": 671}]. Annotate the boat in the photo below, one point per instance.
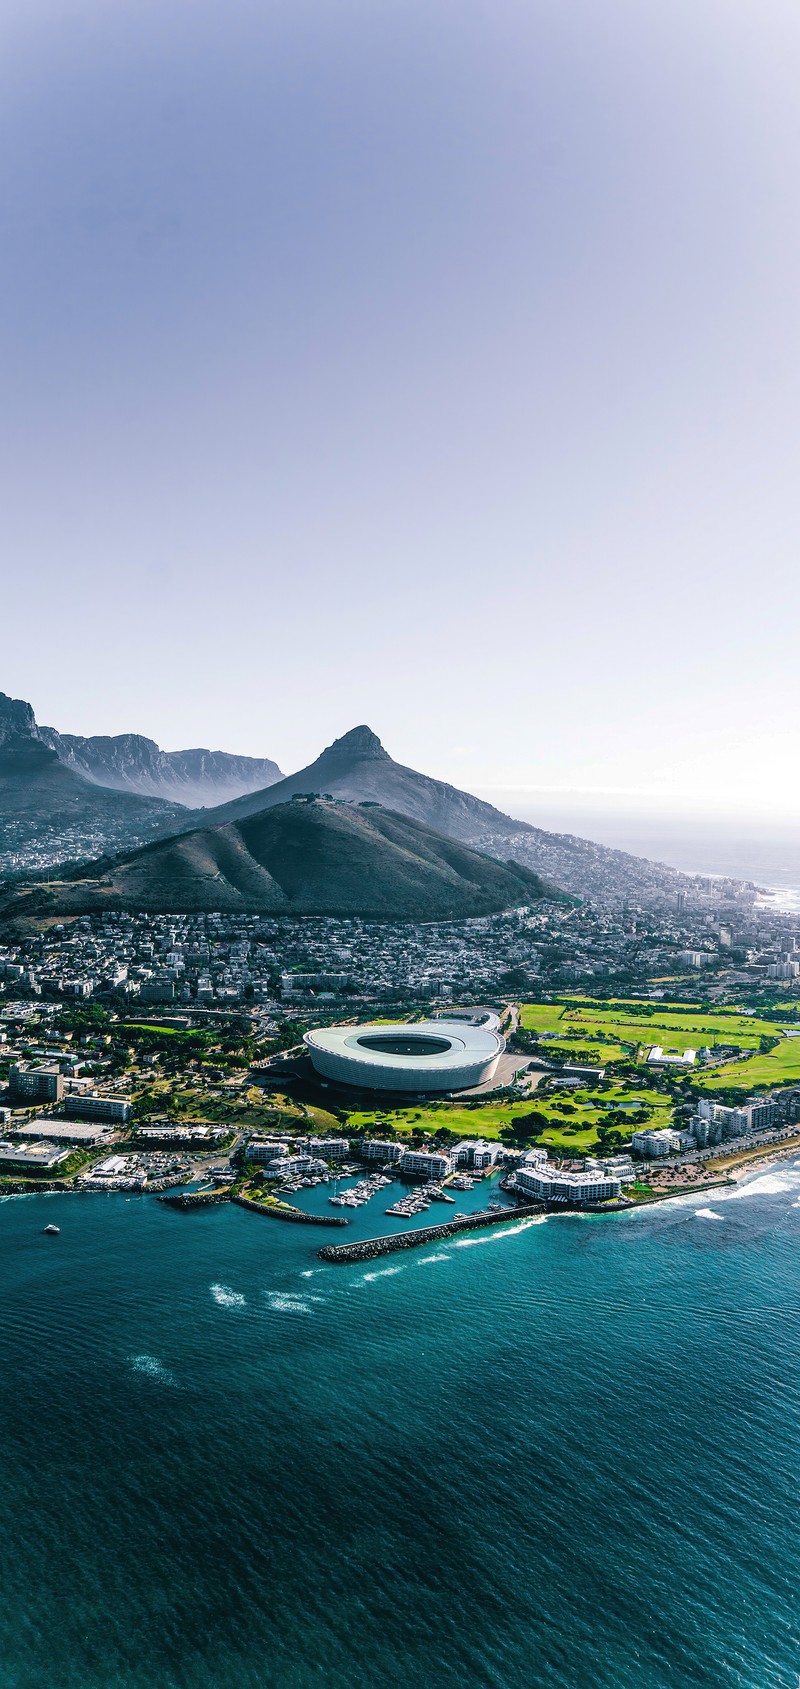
[{"x": 52, "y": 1231}]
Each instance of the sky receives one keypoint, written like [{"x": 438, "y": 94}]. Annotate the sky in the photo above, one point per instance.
[{"x": 426, "y": 363}]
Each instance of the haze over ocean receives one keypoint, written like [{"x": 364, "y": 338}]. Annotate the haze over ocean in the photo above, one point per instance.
[
  {"x": 744, "y": 847},
  {"x": 225, "y": 1465}
]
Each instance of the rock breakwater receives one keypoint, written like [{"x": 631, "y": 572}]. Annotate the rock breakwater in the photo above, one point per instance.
[
  {"x": 371, "y": 1247},
  {"x": 285, "y": 1211}
]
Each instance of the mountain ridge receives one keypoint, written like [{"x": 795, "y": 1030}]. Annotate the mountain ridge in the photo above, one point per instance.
[
  {"x": 316, "y": 857},
  {"x": 130, "y": 762},
  {"x": 357, "y": 768}
]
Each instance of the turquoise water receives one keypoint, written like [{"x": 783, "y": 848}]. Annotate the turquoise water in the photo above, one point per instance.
[{"x": 560, "y": 1454}]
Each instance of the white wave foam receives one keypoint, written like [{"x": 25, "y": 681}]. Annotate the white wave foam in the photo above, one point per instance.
[
  {"x": 424, "y": 1259},
  {"x": 227, "y": 1298},
  {"x": 769, "y": 1184},
  {"x": 384, "y": 1272},
  {"x": 504, "y": 1231},
  {"x": 706, "y": 1214},
  {"x": 151, "y": 1367},
  {"x": 309, "y": 1273},
  {"x": 284, "y": 1304}
]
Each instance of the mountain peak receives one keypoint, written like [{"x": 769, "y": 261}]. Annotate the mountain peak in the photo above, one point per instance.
[
  {"x": 361, "y": 742},
  {"x": 16, "y": 719}
]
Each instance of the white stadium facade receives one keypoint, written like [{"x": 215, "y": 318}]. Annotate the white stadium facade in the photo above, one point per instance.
[{"x": 420, "y": 1058}]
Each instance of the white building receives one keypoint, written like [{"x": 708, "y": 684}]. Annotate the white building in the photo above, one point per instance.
[
  {"x": 58, "y": 1131},
  {"x": 290, "y": 1165},
  {"x": 655, "y": 1141},
  {"x": 331, "y": 1149},
  {"x": 376, "y": 1149},
  {"x": 548, "y": 1184},
  {"x": 475, "y": 1152},
  {"x": 262, "y": 1151},
  {"x": 426, "y": 1164},
  {"x": 116, "y": 1109},
  {"x": 659, "y": 1057}
]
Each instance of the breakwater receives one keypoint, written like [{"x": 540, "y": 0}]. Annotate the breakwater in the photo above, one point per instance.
[
  {"x": 285, "y": 1211},
  {"x": 195, "y": 1199},
  {"x": 371, "y": 1247}
]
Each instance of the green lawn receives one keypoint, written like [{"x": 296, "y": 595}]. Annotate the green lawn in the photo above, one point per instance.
[
  {"x": 780, "y": 1067},
  {"x": 681, "y": 1026},
  {"x": 576, "y": 1131},
  {"x": 665, "y": 1025}
]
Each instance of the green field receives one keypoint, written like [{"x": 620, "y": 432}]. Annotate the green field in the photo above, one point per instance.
[
  {"x": 575, "y": 1130},
  {"x": 780, "y": 1067},
  {"x": 664, "y": 1026},
  {"x": 589, "y": 1027}
]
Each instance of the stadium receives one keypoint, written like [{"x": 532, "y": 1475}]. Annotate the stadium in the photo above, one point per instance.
[{"x": 421, "y": 1058}]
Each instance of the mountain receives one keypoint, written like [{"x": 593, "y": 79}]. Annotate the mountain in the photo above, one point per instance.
[
  {"x": 320, "y": 858},
  {"x": 127, "y": 762},
  {"x": 63, "y": 797},
  {"x": 358, "y": 769},
  {"x": 51, "y": 812}
]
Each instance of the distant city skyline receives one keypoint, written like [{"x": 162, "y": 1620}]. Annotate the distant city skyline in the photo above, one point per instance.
[{"x": 428, "y": 366}]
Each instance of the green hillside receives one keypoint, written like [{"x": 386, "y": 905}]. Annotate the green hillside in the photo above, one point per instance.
[{"x": 304, "y": 857}]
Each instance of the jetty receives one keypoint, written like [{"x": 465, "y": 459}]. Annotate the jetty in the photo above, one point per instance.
[
  {"x": 369, "y": 1248},
  {"x": 195, "y": 1199},
  {"x": 286, "y": 1211}
]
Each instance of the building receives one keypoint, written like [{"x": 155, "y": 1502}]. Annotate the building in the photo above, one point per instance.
[
  {"x": 116, "y": 1109},
  {"x": 425, "y": 1164},
  {"x": 331, "y": 1149},
  {"x": 59, "y": 1131},
  {"x": 475, "y": 1152},
  {"x": 535, "y": 1157},
  {"x": 262, "y": 1151},
  {"x": 549, "y": 1184},
  {"x": 166, "y": 1134},
  {"x": 421, "y": 1058},
  {"x": 658, "y": 1057},
  {"x": 306, "y": 984},
  {"x": 32, "y": 1158},
  {"x": 376, "y": 1149},
  {"x": 35, "y": 1084},
  {"x": 289, "y": 1165},
  {"x": 111, "y": 1167},
  {"x": 157, "y": 991},
  {"x": 656, "y": 1141},
  {"x": 714, "y": 1123}
]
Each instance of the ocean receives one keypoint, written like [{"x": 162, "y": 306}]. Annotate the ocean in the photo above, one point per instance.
[
  {"x": 742, "y": 847},
  {"x": 564, "y": 1453}
]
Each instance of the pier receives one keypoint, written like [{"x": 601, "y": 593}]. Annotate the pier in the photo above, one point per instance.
[{"x": 372, "y": 1247}]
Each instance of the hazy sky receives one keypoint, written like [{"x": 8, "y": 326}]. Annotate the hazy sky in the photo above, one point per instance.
[{"x": 430, "y": 363}]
